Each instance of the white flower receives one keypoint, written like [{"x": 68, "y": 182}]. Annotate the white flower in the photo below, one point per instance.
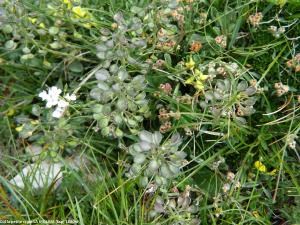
[
  {"x": 69, "y": 97},
  {"x": 62, "y": 104},
  {"x": 226, "y": 187},
  {"x": 54, "y": 91},
  {"x": 52, "y": 97},
  {"x": 43, "y": 95},
  {"x": 58, "y": 113},
  {"x": 230, "y": 176},
  {"x": 39, "y": 175}
]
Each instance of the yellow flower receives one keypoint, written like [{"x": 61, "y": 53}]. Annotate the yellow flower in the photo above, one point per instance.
[
  {"x": 32, "y": 20},
  {"x": 42, "y": 25},
  {"x": 34, "y": 122},
  {"x": 255, "y": 214},
  {"x": 260, "y": 166},
  {"x": 87, "y": 25},
  {"x": 68, "y": 3},
  {"x": 80, "y": 12},
  {"x": 20, "y": 128},
  {"x": 273, "y": 172},
  {"x": 199, "y": 85},
  {"x": 11, "y": 112},
  {"x": 281, "y": 3},
  {"x": 191, "y": 64},
  {"x": 190, "y": 80},
  {"x": 199, "y": 75}
]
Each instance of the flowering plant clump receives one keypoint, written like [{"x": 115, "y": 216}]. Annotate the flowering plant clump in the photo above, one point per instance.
[
  {"x": 155, "y": 160},
  {"x": 150, "y": 112},
  {"x": 182, "y": 204},
  {"x": 229, "y": 100},
  {"x": 122, "y": 99},
  {"x": 122, "y": 42}
]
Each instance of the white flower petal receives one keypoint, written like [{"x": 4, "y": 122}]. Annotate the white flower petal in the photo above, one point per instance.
[
  {"x": 62, "y": 104},
  {"x": 72, "y": 97},
  {"x": 69, "y": 97},
  {"x": 49, "y": 104},
  {"x": 43, "y": 95},
  {"x": 58, "y": 113},
  {"x": 54, "y": 91}
]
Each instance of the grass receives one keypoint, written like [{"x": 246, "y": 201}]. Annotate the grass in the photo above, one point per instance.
[{"x": 97, "y": 187}]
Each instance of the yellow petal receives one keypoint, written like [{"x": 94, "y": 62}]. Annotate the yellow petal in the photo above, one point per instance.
[
  {"x": 32, "y": 20},
  {"x": 42, "y": 25},
  {"x": 199, "y": 85},
  {"x": 87, "y": 25},
  {"x": 190, "y": 80},
  {"x": 191, "y": 64},
  {"x": 273, "y": 172},
  {"x": 255, "y": 214},
  {"x": 34, "y": 122},
  {"x": 11, "y": 112},
  {"x": 199, "y": 75},
  {"x": 197, "y": 72},
  {"x": 80, "y": 12},
  {"x": 203, "y": 77},
  {"x": 260, "y": 166},
  {"x": 20, "y": 128}
]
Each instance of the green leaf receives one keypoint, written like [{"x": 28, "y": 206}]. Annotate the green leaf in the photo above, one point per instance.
[
  {"x": 168, "y": 59},
  {"x": 76, "y": 67}
]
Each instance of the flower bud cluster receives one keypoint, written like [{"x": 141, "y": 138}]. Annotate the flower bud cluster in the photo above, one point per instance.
[
  {"x": 255, "y": 19},
  {"x": 231, "y": 182},
  {"x": 276, "y": 32},
  {"x": 294, "y": 63},
  {"x": 165, "y": 117},
  {"x": 183, "y": 204},
  {"x": 221, "y": 40},
  {"x": 281, "y": 89},
  {"x": 291, "y": 141},
  {"x": 224, "y": 69}
]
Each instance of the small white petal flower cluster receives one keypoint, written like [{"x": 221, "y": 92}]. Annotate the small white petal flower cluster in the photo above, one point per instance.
[{"x": 52, "y": 97}]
